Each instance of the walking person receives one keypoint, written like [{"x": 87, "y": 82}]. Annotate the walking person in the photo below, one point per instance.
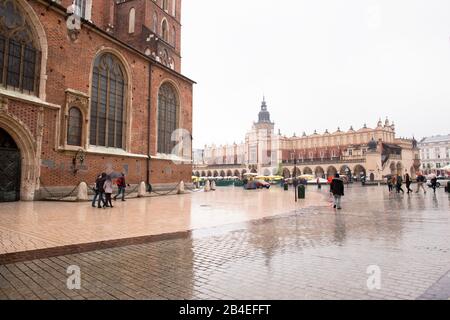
[
  {"x": 434, "y": 183},
  {"x": 319, "y": 185},
  {"x": 337, "y": 189},
  {"x": 108, "y": 189},
  {"x": 408, "y": 183},
  {"x": 420, "y": 182},
  {"x": 95, "y": 189},
  {"x": 100, "y": 185},
  {"x": 121, "y": 184},
  {"x": 399, "y": 184},
  {"x": 389, "y": 183}
]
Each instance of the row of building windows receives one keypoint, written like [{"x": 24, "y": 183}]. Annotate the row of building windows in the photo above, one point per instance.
[
  {"x": 167, "y": 33},
  {"x": 437, "y": 153},
  {"x": 19, "y": 71},
  {"x": 169, "y": 6},
  {"x": 437, "y": 165},
  {"x": 108, "y": 109},
  {"x": 83, "y": 8}
]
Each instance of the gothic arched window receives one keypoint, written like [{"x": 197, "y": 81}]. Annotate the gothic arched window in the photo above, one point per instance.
[
  {"x": 155, "y": 22},
  {"x": 132, "y": 20},
  {"x": 167, "y": 118},
  {"x": 83, "y": 8},
  {"x": 108, "y": 102},
  {"x": 164, "y": 30},
  {"x": 174, "y": 37},
  {"x": 74, "y": 127},
  {"x": 174, "y": 8},
  {"x": 19, "y": 56}
]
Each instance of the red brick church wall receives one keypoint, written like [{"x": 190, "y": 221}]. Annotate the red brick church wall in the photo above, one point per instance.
[{"x": 69, "y": 66}]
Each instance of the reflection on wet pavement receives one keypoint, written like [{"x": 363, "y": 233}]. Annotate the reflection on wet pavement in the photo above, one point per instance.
[
  {"x": 313, "y": 253},
  {"x": 38, "y": 225}
]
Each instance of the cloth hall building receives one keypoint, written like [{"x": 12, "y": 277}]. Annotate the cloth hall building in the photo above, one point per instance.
[{"x": 369, "y": 152}]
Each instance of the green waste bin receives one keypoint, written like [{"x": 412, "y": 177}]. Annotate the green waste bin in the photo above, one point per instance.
[
  {"x": 301, "y": 192},
  {"x": 448, "y": 187},
  {"x": 286, "y": 187}
]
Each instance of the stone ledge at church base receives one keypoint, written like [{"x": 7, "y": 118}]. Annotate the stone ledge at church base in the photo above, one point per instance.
[{"x": 69, "y": 194}]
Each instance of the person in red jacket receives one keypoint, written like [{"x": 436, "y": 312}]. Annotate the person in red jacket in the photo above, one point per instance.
[{"x": 121, "y": 184}]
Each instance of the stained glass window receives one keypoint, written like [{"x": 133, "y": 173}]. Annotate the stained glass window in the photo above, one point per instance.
[
  {"x": 19, "y": 58},
  {"x": 167, "y": 118},
  {"x": 75, "y": 126},
  {"x": 108, "y": 102}
]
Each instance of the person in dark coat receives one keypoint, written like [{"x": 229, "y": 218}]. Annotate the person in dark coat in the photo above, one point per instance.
[
  {"x": 101, "y": 190},
  {"x": 399, "y": 184},
  {"x": 95, "y": 189},
  {"x": 337, "y": 189},
  {"x": 389, "y": 183},
  {"x": 408, "y": 183},
  {"x": 434, "y": 183},
  {"x": 420, "y": 181}
]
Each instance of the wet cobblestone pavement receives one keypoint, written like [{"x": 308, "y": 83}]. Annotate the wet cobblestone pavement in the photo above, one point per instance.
[{"x": 314, "y": 253}]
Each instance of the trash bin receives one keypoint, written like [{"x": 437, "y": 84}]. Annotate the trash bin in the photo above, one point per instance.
[
  {"x": 286, "y": 187},
  {"x": 448, "y": 187},
  {"x": 301, "y": 192}
]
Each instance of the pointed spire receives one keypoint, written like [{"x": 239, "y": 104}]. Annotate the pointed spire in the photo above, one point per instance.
[
  {"x": 264, "y": 115},
  {"x": 264, "y": 104},
  {"x": 380, "y": 123}
]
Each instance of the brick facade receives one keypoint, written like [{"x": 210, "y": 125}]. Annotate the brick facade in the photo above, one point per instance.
[{"x": 69, "y": 67}]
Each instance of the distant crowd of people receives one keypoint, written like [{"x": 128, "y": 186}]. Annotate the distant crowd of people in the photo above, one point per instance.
[
  {"x": 395, "y": 183},
  {"x": 103, "y": 189}
]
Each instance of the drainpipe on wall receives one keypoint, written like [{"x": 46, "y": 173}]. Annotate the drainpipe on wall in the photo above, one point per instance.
[{"x": 149, "y": 156}]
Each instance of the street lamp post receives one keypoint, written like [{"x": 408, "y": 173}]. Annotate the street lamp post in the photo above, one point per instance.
[{"x": 295, "y": 183}]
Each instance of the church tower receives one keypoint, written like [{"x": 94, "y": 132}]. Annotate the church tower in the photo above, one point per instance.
[
  {"x": 259, "y": 140},
  {"x": 264, "y": 119}
]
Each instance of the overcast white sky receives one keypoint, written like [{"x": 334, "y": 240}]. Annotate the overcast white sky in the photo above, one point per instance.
[{"x": 320, "y": 63}]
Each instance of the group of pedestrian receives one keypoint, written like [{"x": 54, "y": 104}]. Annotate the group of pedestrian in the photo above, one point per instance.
[
  {"x": 103, "y": 189},
  {"x": 393, "y": 182},
  {"x": 396, "y": 183}
]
